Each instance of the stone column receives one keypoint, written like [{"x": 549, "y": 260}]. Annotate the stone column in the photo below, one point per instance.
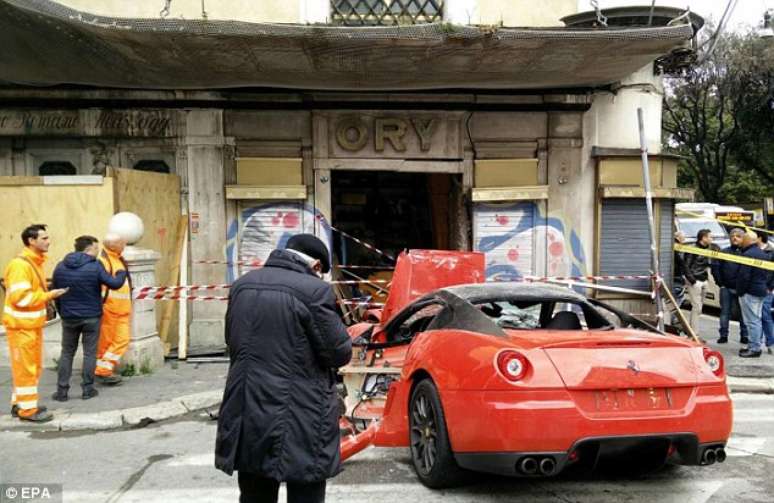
[{"x": 145, "y": 347}]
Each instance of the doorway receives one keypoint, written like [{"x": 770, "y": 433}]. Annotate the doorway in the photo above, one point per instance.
[{"x": 393, "y": 211}]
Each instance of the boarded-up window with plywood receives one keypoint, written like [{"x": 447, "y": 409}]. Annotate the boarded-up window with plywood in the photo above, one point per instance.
[{"x": 506, "y": 234}]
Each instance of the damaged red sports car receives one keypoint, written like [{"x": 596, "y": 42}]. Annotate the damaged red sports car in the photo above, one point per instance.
[{"x": 527, "y": 380}]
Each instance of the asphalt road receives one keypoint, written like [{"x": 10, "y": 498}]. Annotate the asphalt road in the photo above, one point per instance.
[{"x": 173, "y": 462}]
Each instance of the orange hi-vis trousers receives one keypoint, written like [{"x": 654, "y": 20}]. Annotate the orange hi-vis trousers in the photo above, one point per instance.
[
  {"x": 26, "y": 350},
  {"x": 113, "y": 342}
]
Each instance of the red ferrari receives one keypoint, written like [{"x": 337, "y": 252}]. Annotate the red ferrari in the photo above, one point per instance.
[{"x": 526, "y": 380}]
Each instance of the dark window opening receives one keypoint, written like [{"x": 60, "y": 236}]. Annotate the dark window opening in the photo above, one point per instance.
[
  {"x": 385, "y": 12},
  {"x": 154, "y": 165},
  {"x": 392, "y": 211},
  {"x": 54, "y": 168}
]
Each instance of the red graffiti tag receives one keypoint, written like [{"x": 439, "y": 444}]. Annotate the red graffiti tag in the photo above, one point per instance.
[{"x": 290, "y": 221}]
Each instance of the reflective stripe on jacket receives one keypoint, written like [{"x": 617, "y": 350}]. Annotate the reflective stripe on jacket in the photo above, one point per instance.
[
  {"x": 119, "y": 301},
  {"x": 25, "y": 295}
]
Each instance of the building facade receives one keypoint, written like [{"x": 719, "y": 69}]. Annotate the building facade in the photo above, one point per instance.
[{"x": 458, "y": 134}]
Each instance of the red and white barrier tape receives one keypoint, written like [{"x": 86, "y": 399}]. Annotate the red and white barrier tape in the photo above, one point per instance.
[
  {"x": 157, "y": 292},
  {"x": 205, "y": 298},
  {"x": 588, "y": 278},
  {"x": 358, "y": 241}
]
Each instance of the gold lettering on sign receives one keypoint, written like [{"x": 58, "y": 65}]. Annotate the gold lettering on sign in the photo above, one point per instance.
[
  {"x": 392, "y": 130},
  {"x": 425, "y": 130},
  {"x": 343, "y": 129}
]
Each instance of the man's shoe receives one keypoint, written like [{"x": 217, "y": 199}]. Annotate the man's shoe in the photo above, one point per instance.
[
  {"x": 41, "y": 416},
  {"x": 723, "y": 340},
  {"x": 111, "y": 380},
  {"x": 750, "y": 354},
  {"x": 59, "y": 397},
  {"x": 89, "y": 394},
  {"x": 744, "y": 340}
]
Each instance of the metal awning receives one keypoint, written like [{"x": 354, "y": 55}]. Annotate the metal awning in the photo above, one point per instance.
[{"x": 45, "y": 43}]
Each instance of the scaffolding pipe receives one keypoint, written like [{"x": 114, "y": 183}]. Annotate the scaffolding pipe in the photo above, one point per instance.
[{"x": 651, "y": 222}]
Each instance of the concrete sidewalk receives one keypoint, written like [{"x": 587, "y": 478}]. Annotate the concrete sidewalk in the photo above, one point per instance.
[
  {"x": 753, "y": 368},
  {"x": 179, "y": 388},
  {"x": 171, "y": 391}
]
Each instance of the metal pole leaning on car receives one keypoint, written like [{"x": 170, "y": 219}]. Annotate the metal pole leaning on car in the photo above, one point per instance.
[{"x": 651, "y": 224}]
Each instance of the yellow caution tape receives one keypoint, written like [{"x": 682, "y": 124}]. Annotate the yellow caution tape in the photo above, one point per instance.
[{"x": 730, "y": 257}]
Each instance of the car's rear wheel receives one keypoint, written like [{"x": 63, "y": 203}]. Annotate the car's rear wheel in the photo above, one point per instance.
[{"x": 431, "y": 452}]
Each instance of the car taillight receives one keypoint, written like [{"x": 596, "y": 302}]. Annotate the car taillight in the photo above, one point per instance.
[
  {"x": 512, "y": 365},
  {"x": 714, "y": 361}
]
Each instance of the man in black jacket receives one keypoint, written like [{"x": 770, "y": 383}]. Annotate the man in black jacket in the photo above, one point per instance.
[
  {"x": 696, "y": 271},
  {"x": 751, "y": 286},
  {"x": 279, "y": 419},
  {"x": 725, "y": 274},
  {"x": 81, "y": 311}
]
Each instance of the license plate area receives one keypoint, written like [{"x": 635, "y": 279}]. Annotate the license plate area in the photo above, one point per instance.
[{"x": 625, "y": 400}]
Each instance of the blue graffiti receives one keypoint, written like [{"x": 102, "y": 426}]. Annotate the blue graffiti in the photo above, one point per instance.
[{"x": 509, "y": 272}]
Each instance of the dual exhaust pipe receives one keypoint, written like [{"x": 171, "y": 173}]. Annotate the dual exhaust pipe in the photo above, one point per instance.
[
  {"x": 713, "y": 455},
  {"x": 534, "y": 466}
]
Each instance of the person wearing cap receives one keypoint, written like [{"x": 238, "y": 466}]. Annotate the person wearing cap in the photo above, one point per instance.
[
  {"x": 279, "y": 418},
  {"x": 751, "y": 286}
]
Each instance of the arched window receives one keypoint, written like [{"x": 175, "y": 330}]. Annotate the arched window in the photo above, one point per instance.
[
  {"x": 52, "y": 168},
  {"x": 155, "y": 165}
]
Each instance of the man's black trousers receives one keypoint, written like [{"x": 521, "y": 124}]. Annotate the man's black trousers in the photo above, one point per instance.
[
  {"x": 256, "y": 489},
  {"x": 72, "y": 330}
]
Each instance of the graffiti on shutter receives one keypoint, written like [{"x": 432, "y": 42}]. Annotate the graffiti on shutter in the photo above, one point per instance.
[
  {"x": 263, "y": 228},
  {"x": 505, "y": 233}
]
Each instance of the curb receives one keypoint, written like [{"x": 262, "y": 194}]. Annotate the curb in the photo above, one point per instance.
[
  {"x": 750, "y": 384},
  {"x": 118, "y": 419}
]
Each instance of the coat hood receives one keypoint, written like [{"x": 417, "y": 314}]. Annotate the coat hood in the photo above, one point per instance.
[{"x": 76, "y": 260}]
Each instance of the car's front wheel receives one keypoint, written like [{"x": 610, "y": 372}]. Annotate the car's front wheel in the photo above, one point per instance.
[{"x": 431, "y": 452}]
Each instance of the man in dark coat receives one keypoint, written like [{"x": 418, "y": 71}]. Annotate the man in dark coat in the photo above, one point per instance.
[
  {"x": 752, "y": 288},
  {"x": 81, "y": 312},
  {"x": 279, "y": 419},
  {"x": 725, "y": 274}
]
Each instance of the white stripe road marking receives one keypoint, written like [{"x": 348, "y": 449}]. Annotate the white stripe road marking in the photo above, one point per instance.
[
  {"x": 680, "y": 491},
  {"x": 757, "y": 415},
  {"x": 22, "y": 285},
  {"x": 752, "y": 397},
  {"x": 744, "y": 446}
]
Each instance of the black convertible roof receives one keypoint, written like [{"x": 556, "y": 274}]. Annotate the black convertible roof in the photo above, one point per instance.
[{"x": 513, "y": 291}]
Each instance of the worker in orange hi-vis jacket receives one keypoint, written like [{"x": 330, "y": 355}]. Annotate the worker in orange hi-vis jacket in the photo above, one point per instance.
[
  {"x": 116, "y": 313},
  {"x": 24, "y": 315}
]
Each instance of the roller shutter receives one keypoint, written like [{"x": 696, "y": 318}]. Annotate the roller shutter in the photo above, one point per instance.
[
  {"x": 506, "y": 233},
  {"x": 267, "y": 226},
  {"x": 625, "y": 241}
]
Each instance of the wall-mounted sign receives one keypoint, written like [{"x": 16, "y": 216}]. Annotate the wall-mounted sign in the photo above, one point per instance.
[
  {"x": 194, "y": 223},
  {"x": 394, "y": 135},
  {"x": 91, "y": 122}
]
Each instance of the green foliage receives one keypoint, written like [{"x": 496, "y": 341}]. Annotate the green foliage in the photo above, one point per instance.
[
  {"x": 717, "y": 116},
  {"x": 145, "y": 367},
  {"x": 129, "y": 370}
]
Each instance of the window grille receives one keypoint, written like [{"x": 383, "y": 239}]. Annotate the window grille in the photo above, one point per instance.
[{"x": 385, "y": 12}]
